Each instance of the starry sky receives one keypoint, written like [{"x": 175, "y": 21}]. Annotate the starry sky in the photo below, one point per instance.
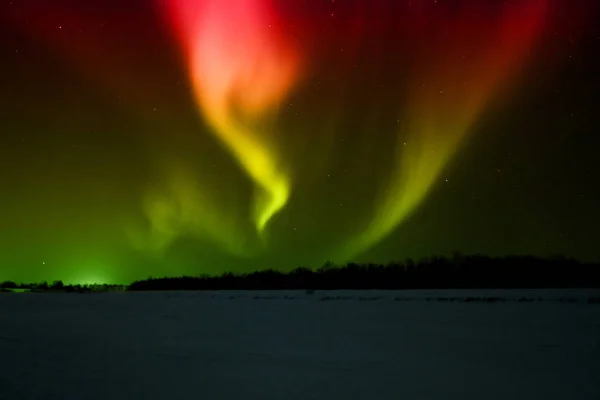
[{"x": 167, "y": 137}]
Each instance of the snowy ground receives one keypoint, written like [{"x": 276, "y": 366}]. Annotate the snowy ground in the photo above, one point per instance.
[{"x": 328, "y": 345}]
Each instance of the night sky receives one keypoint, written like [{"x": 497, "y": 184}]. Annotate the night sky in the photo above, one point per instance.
[{"x": 167, "y": 137}]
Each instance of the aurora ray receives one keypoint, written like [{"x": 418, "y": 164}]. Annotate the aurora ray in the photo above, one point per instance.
[
  {"x": 464, "y": 59},
  {"x": 241, "y": 68}
]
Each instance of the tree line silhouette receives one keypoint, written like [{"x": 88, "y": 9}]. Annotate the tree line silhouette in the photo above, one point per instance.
[
  {"x": 457, "y": 272},
  {"x": 59, "y": 286}
]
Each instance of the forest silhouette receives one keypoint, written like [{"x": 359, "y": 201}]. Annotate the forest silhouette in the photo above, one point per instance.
[{"x": 456, "y": 272}]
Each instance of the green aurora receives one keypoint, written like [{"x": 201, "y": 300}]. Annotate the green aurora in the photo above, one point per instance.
[{"x": 169, "y": 139}]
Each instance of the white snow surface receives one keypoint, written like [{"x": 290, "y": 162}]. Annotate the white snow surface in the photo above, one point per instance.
[{"x": 293, "y": 345}]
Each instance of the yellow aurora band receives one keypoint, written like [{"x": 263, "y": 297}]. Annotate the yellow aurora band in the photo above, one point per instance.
[
  {"x": 457, "y": 73},
  {"x": 240, "y": 70}
]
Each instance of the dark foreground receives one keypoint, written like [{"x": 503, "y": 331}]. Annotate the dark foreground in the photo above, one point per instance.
[{"x": 293, "y": 345}]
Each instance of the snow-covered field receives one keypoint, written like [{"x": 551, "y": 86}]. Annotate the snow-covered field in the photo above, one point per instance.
[{"x": 292, "y": 345}]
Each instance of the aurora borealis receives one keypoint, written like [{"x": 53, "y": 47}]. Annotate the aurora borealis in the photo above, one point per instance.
[
  {"x": 186, "y": 137},
  {"x": 236, "y": 63}
]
